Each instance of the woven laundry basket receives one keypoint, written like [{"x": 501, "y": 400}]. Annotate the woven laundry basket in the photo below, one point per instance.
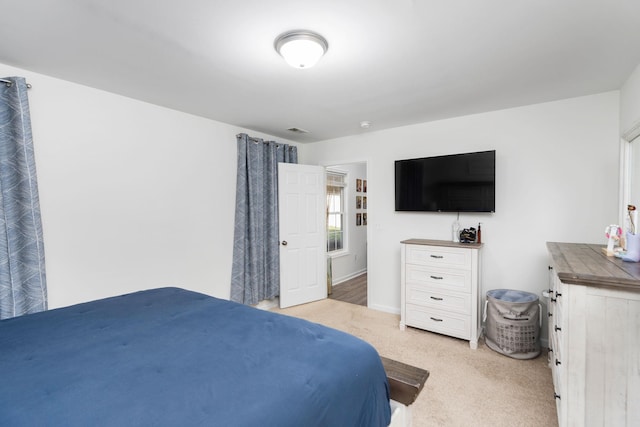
[{"x": 512, "y": 323}]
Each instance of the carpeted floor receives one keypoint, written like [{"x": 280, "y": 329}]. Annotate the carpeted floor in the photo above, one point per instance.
[{"x": 465, "y": 387}]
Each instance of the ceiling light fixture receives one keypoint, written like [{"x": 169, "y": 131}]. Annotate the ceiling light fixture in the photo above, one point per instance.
[{"x": 301, "y": 48}]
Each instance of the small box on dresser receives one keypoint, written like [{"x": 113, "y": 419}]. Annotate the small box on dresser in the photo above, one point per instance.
[{"x": 440, "y": 285}]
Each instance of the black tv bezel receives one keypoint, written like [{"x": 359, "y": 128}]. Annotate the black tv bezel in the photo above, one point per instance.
[{"x": 445, "y": 156}]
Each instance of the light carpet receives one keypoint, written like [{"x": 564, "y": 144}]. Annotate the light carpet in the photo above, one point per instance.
[{"x": 466, "y": 387}]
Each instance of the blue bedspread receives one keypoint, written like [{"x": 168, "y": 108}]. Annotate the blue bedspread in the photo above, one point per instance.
[{"x": 171, "y": 357}]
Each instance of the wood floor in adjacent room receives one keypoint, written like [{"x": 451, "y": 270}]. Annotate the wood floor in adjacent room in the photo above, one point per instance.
[{"x": 353, "y": 291}]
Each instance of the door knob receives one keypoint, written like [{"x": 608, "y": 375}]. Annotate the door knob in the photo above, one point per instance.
[{"x": 284, "y": 243}]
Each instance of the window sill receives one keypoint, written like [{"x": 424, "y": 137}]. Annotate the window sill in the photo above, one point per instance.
[{"x": 337, "y": 254}]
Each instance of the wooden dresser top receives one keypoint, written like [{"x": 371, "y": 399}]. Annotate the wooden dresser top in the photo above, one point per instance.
[
  {"x": 587, "y": 264},
  {"x": 446, "y": 243}
]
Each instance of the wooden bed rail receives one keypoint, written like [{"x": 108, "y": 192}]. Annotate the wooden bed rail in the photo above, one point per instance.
[{"x": 405, "y": 381}]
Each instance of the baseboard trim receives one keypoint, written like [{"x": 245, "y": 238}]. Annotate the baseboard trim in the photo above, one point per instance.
[
  {"x": 385, "y": 308},
  {"x": 268, "y": 304}
]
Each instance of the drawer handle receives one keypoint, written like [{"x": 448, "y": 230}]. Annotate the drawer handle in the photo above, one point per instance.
[
  {"x": 436, "y": 320},
  {"x": 437, "y": 256},
  {"x": 553, "y": 300},
  {"x": 558, "y": 362},
  {"x": 558, "y": 294},
  {"x": 436, "y": 298},
  {"x": 549, "y": 314},
  {"x": 556, "y": 328},
  {"x": 556, "y": 396},
  {"x": 436, "y": 277}
]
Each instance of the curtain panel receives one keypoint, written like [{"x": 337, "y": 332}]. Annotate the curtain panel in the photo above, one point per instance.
[
  {"x": 256, "y": 253},
  {"x": 22, "y": 274}
]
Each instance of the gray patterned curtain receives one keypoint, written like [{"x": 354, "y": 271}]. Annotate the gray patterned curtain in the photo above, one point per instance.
[
  {"x": 255, "y": 274},
  {"x": 22, "y": 276}
]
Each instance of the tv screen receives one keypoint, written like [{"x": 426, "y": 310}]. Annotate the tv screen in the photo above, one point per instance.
[{"x": 454, "y": 183}]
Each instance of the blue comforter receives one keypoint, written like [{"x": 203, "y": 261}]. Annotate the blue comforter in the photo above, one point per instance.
[{"x": 171, "y": 357}]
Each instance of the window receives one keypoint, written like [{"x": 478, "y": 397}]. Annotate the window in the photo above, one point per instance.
[{"x": 335, "y": 211}]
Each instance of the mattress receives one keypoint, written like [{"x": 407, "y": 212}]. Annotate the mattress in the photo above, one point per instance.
[{"x": 171, "y": 357}]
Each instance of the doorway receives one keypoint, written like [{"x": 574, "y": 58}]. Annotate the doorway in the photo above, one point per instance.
[{"x": 348, "y": 260}]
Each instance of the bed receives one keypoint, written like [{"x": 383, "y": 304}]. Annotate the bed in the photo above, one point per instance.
[{"x": 172, "y": 357}]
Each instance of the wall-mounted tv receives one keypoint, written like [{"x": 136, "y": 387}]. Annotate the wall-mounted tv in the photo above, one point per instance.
[{"x": 453, "y": 183}]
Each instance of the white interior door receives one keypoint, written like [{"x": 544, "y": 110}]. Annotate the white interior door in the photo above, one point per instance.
[{"x": 303, "y": 265}]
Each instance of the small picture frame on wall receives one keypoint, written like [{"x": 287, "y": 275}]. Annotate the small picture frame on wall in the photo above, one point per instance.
[
  {"x": 358, "y": 202},
  {"x": 364, "y": 202},
  {"x": 358, "y": 185},
  {"x": 364, "y": 186},
  {"x": 364, "y": 219},
  {"x": 358, "y": 219}
]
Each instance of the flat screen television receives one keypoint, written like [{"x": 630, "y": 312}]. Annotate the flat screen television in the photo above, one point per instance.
[{"x": 453, "y": 183}]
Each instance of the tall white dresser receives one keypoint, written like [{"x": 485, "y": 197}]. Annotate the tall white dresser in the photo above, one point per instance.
[
  {"x": 440, "y": 284},
  {"x": 594, "y": 336}
]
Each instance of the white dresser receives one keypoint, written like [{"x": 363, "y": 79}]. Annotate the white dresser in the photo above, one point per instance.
[
  {"x": 440, "y": 288},
  {"x": 594, "y": 336}
]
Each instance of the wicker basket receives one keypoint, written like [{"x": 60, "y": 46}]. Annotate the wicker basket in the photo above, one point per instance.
[{"x": 512, "y": 323}]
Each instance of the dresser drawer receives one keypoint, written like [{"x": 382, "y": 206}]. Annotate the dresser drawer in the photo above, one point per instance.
[
  {"x": 452, "y": 324},
  {"x": 557, "y": 314},
  {"x": 449, "y": 301},
  {"x": 557, "y": 333},
  {"x": 556, "y": 362},
  {"x": 438, "y": 256},
  {"x": 442, "y": 279}
]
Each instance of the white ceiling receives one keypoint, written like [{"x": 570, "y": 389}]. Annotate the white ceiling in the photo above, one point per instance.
[{"x": 391, "y": 62}]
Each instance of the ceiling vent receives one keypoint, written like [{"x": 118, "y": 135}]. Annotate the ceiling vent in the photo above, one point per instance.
[{"x": 297, "y": 130}]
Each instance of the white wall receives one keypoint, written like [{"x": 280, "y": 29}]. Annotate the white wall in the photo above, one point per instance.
[
  {"x": 133, "y": 196},
  {"x": 353, "y": 262},
  {"x": 557, "y": 180}
]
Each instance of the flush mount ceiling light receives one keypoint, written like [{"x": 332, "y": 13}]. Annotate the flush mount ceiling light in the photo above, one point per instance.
[{"x": 300, "y": 48}]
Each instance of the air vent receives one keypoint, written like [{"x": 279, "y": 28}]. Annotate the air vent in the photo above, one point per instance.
[{"x": 297, "y": 130}]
